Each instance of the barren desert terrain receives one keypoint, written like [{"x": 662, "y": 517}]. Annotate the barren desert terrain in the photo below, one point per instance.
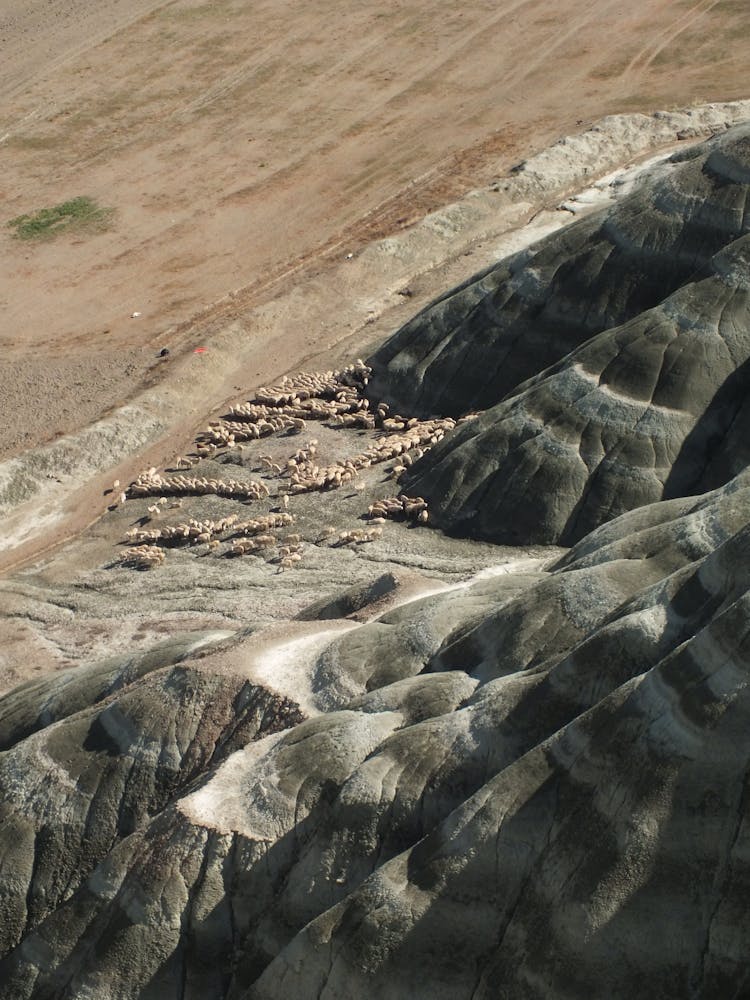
[
  {"x": 235, "y": 143},
  {"x": 373, "y": 486}
]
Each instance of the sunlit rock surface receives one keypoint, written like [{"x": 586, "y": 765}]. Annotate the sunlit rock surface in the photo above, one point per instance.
[
  {"x": 611, "y": 362},
  {"x": 478, "y": 342},
  {"x": 530, "y": 784},
  {"x": 555, "y": 756}
]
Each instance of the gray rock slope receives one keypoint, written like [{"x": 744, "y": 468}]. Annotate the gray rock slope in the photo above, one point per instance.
[
  {"x": 530, "y": 785},
  {"x": 611, "y": 363},
  {"x": 475, "y": 344},
  {"x": 541, "y": 792},
  {"x": 654, "y": 409}
]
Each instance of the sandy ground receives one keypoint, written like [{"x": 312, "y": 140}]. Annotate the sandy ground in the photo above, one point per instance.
[{"x": 235, "y": 141}]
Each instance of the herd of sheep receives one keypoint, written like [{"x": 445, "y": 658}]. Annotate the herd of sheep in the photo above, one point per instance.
[{"x": 336, "y": 397}]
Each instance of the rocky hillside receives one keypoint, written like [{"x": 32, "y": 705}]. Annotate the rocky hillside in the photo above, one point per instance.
[
  {"x": 531, "y": 783},
  {"x": 554, "y": 757},
  {"x": 611, "y": 361}
]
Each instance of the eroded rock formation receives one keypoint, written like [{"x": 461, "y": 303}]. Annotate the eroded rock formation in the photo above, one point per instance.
[
  {"x": 531, "y": 784},
  {"x": 612, "y": 361},
  {"x": 554, "y": 756}
]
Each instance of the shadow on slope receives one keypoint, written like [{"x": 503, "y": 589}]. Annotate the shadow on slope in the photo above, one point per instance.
[
  {"x": 477, "y": 343},
  {"x": 635, "y": 415},
  {"x": 568, "y": 765}
]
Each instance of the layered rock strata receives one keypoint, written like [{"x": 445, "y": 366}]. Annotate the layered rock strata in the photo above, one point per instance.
[
  {"x": 611, "y": 362},
  {"x": 550, "y": 757}
]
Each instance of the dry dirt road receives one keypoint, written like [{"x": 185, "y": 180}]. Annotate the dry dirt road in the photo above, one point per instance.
[{"x": 233, "y": 140}]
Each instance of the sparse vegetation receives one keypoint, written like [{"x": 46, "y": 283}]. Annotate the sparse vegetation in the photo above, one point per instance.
[
  {"x": 81, "y": 214},
  {"x": 216, "y": 8}
]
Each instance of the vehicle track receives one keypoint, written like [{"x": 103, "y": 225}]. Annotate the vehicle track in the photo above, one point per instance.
[{"x": 645, "y": 56}]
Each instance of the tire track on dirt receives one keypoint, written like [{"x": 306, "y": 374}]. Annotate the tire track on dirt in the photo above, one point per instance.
[
  {"x": 645, "y": 56},
  {"x": 594, "y": 12},
  {"x": 348, "y": 61},
  {"x": 29, "y": 70},
  {"x": 235, "y": 301}
]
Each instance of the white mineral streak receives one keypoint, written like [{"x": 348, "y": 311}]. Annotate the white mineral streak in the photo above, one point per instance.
[
  {"x": 208, "y": 638},
  {"x": 521, "y": 564},
  {"x": 23, "y": 529},
  {"x": 246, "y": 794},
  {"x": 260, "y": 791},
  {"x": 287, "y": 666},
  {"x": 617, "y": 184},
  {"x": 219, "y": 803}
]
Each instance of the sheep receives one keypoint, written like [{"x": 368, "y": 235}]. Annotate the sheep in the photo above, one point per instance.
[
  {"x": 148, "y": 485},
  {"x": 347, "y": 538},
  {"x": 333, "y": 396},
  {"x": 143, "y": 557},
  {"x": 398, "y": 508},
  {"x": 265, "y": 541},
  {"x": 194, "y": 531},
  {"x": 287, "y": 405}
]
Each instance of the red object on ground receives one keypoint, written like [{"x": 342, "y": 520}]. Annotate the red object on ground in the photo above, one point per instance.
[{"x": 199, "y": 350}]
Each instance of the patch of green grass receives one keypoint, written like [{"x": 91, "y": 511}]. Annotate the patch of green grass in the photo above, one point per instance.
[
  {"x": 80, "y": 214},
  {"x": 33, "y": 142},
  {"x": 216, "y": 8}
]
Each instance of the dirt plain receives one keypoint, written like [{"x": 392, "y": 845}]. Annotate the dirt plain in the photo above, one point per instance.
[{"x": 237, "y": 143}]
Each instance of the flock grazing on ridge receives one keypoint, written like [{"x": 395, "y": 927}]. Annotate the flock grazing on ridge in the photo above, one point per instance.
[{"x": 334, "y": 397}]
